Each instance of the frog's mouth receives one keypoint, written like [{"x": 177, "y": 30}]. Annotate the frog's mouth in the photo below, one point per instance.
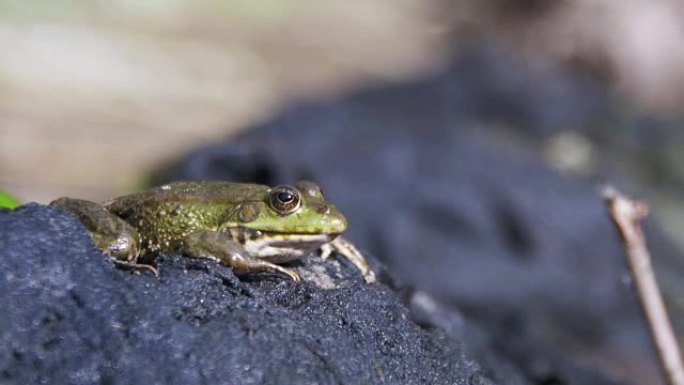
[{"x": 279, "y": 247}]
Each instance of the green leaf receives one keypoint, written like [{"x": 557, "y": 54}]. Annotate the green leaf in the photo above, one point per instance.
[{"x": 7, "y": 201}]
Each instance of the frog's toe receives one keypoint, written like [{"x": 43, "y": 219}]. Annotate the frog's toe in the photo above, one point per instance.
[
  {"x": 369, "y": 277},
  {"x": 326, "y": 250},
  {"x": 290, "y": 273},
  {"x": 136, "y": 267}
]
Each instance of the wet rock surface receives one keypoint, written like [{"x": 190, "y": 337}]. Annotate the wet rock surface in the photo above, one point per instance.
[
  {"x": 530, "y": 257},
  {"x": 70, "y": 317}
]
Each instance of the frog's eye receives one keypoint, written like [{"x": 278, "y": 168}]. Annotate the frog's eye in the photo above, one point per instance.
[{"x": 284, "y": 199}]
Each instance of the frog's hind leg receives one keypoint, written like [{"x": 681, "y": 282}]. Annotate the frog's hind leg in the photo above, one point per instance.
[
  {"x": 351, "y": 253},
  {"x": 221, "y": 247},
  {"x": 111, "y": 234}
]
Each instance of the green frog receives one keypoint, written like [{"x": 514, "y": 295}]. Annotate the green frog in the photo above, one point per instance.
[{"x": 251, "y": 228}]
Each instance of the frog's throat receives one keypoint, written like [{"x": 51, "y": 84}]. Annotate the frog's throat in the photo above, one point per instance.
[{"x": 284, "y": 247}]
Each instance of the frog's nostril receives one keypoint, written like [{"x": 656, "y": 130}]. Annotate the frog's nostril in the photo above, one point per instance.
[{"x": 322, "y": 209}]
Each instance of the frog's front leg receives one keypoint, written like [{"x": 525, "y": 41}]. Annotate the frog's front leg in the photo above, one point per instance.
[
  {"x": 351, "y": 253},
  {"x": 111, "y": 234},
  {"x": 220, "y": 247}
]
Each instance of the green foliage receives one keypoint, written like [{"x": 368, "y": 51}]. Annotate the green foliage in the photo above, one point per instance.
[{"x": 7, "y": 201}]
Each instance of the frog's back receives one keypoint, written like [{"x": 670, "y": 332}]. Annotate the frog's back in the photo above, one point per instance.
[
  {"x": 189, "y": 193},
  {"x": 164, "y": 215}
]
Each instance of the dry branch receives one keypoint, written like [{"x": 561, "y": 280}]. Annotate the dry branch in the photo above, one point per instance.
[{"x": 627, "y": 215}]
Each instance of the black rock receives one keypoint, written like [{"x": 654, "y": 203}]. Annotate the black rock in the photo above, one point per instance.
[
  {"x": 70, "y": 317},
  {"x": 528, "y": 255}
]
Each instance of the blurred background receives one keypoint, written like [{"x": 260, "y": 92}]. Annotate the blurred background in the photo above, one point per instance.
[
  {"x": 94, "y": 94},
  {"x": 97, "y": 95}
]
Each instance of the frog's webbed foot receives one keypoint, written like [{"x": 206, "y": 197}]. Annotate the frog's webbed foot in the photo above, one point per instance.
[
  {"x": 351, "y": 253},
  {"x": 220, "y": 247}
]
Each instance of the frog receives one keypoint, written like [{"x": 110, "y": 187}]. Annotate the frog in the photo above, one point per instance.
[{"x": 251, "y": 228}]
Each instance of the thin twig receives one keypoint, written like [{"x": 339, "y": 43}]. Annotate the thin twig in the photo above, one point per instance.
[{"x": 627, "y": 215}]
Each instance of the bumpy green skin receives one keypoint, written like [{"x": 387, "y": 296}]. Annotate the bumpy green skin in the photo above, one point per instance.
[
  {"x": 7, "y": 201},
  {"x": 166, "y": 214}
]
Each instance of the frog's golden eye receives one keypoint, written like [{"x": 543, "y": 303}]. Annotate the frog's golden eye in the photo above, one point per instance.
[{"x": 284, "y": 199}]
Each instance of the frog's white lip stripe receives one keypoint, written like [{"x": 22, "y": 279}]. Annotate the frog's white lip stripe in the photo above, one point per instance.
[{"x": 285, "y": 247}]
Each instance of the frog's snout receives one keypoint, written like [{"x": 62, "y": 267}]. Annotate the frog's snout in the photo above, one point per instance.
[{"x": 336, "y": 222}]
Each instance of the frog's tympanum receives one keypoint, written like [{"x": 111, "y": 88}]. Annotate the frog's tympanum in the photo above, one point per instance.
[{"x": 251, "y": 228}]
